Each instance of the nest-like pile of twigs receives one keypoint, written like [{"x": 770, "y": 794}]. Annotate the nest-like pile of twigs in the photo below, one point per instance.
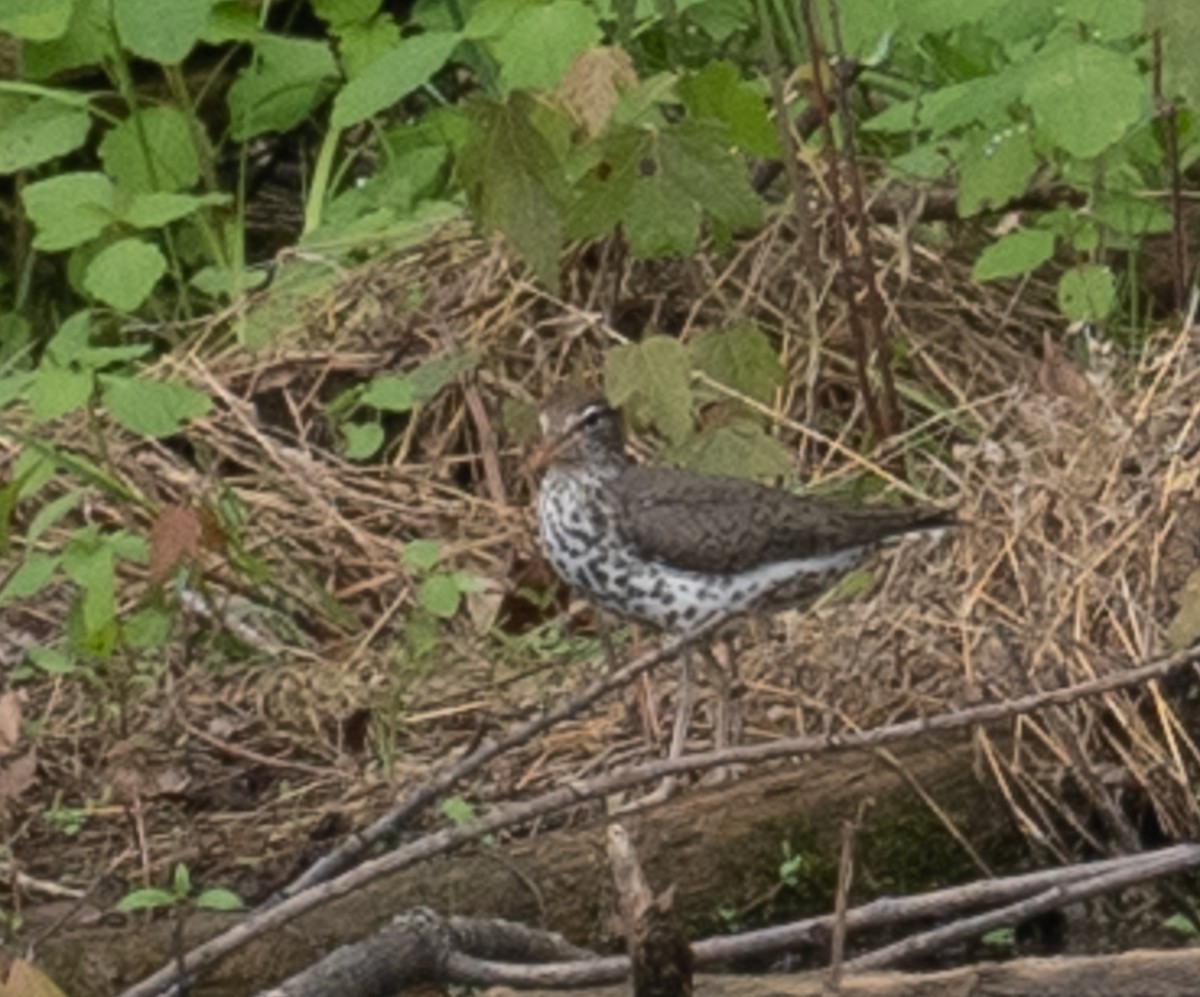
[{"x": 1076, "y": 491}]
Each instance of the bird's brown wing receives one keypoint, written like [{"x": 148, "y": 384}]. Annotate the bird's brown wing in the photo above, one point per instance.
[{"x": 706, "y": 523}]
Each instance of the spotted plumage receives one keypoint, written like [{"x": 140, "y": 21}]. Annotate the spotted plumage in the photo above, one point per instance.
[{"x": 674, "y": 548}]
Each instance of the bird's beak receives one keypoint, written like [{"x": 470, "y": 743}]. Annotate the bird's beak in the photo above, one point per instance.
[{"x": 543, "y": 455}]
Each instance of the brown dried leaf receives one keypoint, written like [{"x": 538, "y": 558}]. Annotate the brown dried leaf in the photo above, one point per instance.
[
  {"x": 26, "y": 980},
  {"x": 10, "y": 721},
  {"x": 1184, "y": 627},
  {"x": 174, "y": 539},
  {"x": 592, "y": 83},
  {"x": 17, "y": 776},
  {"x": 1059, "y": 376}
]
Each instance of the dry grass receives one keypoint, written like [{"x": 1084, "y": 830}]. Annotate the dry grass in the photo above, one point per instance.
[{"x": 246, "y": 758}]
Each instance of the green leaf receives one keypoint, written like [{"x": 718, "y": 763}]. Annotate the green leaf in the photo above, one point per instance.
[
  {"x": 152, "y": 408},
  {"x": 1110, "y": 19},
  {"x": 541, "y": 40},
  {"x": 49, "y": 514},
  {"x": 652, "y": 378},
  {"x": 69, "y": 209},
  {"x": 363, "y": 42},
  {"x": 93, "y": 568},
  {"x": 145, "y": 900},
  {"x": 35, "y": 20},
  {"x": 1016, "y": 253},
  {"x": 392, "y": 76},
  {"x": 457, "y": 810},
  {"x": 742, "y": 358},
  {"x": 44, "y": 130},
  {"x": 659, "y": 183},
  {"x": 226, "y": 282},
  {"x": 165, "y": 135},
  {"x": 1131, "y": 215},
  {"x": 514, "y": 179},
  {"x": 1087, "y": 293},
  {"x": 421, "y": 555},
  {"x": 1179, "y": 24},
  {"x": 30, "y": 578},
  {"x": 282, "y": 86},
  {"x": 719, "y": 92},
  {"x": 51, "y": 660},
  {"x": 362, "y": 439},
  {"x": 87, "y": 40},
  {"x": 995, "y": 169},
  {"x": 440, "y": 595},
  {"x": 218, "y": 899},
  {"x": 1181, "y": 924},
  {"x": 429, "y": 377},
  {"x": 1000, "y": 938},
  {"x": 124, "y": 274},
  {"x": 158, "y": 209},
  {"x": 164, "y": 36},
  {"x": 181, "y": 882},
  {"x": 147, "y": 629},
  {"x": 338, "y": 13},
  {"x": 1066, "y": 89},
  {"x": 390, "y": 393},
  {"x": 58, "y": 390},
  {"x": 739, "y": 448}
]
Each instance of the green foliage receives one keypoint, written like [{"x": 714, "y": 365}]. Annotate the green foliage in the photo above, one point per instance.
[
  {"x": 653, "y": 380},
  {"x": 179, "y": 897}
]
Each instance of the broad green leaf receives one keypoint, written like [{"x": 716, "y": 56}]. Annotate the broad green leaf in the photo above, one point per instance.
[
  {"x": 1132, "y": 215},
  {"x": 1182, "y": 924},
  {"x": 87, "y": 40},
  {"x": 152, "y": 408},
  {"x": 430, "y": 376},
  {"x": 362, "y": 439},
  {"x": 719, "y": 92},
  {"x": 392, "y": 76},
  {"x": 742, "y": 358},
  {"x": 338, "y": 13},
  {"x": 514, "y": 178},
  {"x": 51, "y": 660},
  {"x": 35, "y": 20},
  {"x": 390, "y": 393},
  {"x": 69, "y": 209},
  {"x": 362, "y": 42},
  {"x": 920, "y": 17},
  {"x": 93, "y": 568},
  {"x": 1087, "y": 293},
  {"x": 45, "y": 130},
  {"x": 1178, "y": 22},
  {"x": 49, "y": 515},
  {"x": 421, "y": 555},
  {"x": 218, "y": 899},
  {"x": 30, "y": 578},
  {"x": 58, "y": 390},
  {"x": 164, "y": 35},
  {"x": 659, "y": 183},
  {"x": 149, "y": 627},
  {"x": 165, "y": 135},
  {"x": 1067, "y": 90},
  {"x": 159, "y": 209},
  {"x": 1016, "y": 253},
  {"x": 741, "y": 448},
  {"x": 218, "y": 282},
  {"x": 925, "y": 162},
  {"x": 283, "y": 84},
  {"x": 652, "y": 379},
  {"x": 145, "y": 900},
  {"x": 541, "y": 40},
  {"x": 231, "y": 21},
  {"x": 440, "y": 595},
  {"x": 124, "y": 274},
  {"x": 995, "y": 169},
  {"x": 1110, "y": 20},
  {"x": 457, "y": 810}
]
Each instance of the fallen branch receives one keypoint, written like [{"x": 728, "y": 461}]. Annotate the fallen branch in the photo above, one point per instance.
[{"x": 509, "y": 815}]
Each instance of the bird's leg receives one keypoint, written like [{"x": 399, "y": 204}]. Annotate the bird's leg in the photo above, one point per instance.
[
  {"x": 683, "y": 718},
  {"x": 726, "y": 723}
]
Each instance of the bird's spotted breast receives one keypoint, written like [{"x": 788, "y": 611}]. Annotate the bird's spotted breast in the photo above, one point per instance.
[{"x": 590, "y": 554}]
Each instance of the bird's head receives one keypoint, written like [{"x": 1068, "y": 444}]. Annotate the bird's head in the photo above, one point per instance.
[{"x": 579, "y": 430}]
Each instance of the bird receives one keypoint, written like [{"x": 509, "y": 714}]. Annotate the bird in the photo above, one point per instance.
[{"x": 676, "y": 548}]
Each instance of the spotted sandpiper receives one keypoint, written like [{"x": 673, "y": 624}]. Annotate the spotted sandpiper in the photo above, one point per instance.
[{"x": 675, "y": 548}]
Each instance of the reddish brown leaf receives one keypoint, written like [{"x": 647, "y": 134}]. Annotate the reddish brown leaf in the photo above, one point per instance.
[
  {"x": 26, "y": 980},
  {"x": 10, "y": 721},
  {"x": 17, "y": 776},
  {"x": 592, "y": 84},
  {"x": 174, "y": 540}
]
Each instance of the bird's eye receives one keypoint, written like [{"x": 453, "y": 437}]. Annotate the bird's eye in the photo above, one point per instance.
[{"x": 591, "y": 416}]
